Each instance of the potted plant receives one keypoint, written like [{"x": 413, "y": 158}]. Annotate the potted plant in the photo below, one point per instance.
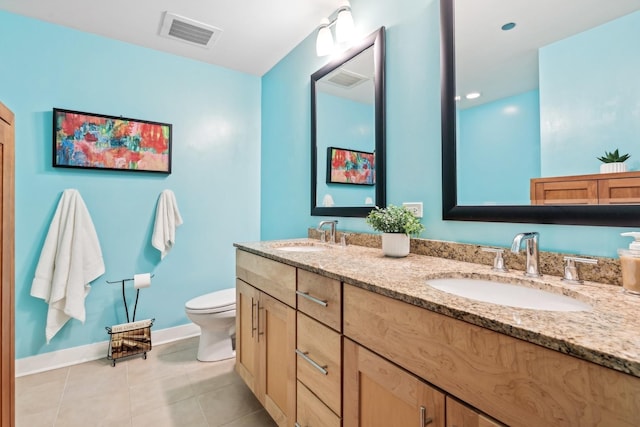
[
  {"x": 396, "y": 223},
  {"x": 613, "y": 162}
]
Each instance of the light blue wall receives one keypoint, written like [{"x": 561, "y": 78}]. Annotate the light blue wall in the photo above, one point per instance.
[
  {"x": 490, "y": 136},
  {"x": 413, "y": 138},
  {"x": 348, "y": 124},
  {"x": 216, "y": 170},
  {"x": 578, "y": 124}
]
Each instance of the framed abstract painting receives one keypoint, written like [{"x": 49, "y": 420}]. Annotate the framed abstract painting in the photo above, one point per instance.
[
  {"x": 97, "y": 141},
  {"x": 345, "y": 166}
]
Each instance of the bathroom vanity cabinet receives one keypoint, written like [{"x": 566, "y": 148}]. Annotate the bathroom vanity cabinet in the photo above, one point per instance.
[
  {"x": 513, "y": 381},
  {"x": 357, "y": 354},
  {"x": 266, "y": 333}
]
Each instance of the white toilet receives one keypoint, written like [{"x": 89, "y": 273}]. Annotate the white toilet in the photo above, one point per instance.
[{"x": 215, "y": 313}]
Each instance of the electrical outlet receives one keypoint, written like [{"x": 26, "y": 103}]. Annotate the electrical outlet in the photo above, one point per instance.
[{"x": 414, "y": 207}]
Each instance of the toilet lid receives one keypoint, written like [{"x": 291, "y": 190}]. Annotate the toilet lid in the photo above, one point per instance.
[{"x": 219, "y": 300}]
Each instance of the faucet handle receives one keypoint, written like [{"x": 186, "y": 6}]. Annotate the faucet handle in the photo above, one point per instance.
[
  {"x": 571, "y": 273},
  {"x": 498, "y": 261},
  {"x": 323, "y": 235},
  {"x": 343, "y": 239}
]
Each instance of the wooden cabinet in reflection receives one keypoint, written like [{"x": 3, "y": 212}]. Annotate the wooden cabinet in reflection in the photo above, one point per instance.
[{"x": 622, "y": 188}]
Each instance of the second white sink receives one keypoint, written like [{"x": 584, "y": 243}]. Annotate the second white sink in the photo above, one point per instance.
[{"x": 510, "y": 295}]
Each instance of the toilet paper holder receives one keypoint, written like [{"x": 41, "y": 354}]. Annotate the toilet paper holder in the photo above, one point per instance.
[
  {"x": 124, "y": 298},
  {"x": 133, "y": 337}
]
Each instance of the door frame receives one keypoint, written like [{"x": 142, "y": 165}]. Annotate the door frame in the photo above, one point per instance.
[{"x": 7, "y": 286}]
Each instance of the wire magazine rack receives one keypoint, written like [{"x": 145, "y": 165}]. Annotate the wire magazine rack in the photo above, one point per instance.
[{"x": 131, "y": 338}]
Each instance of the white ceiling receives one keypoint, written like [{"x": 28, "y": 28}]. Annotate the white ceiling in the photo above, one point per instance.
[
  {"x": 501, "y": 63},
  {"x": 256, "y": 33}
]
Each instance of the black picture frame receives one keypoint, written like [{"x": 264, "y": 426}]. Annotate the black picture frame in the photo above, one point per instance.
[
  {"x": 331, "y": 176},
  {"x": 84, "y": 140}
]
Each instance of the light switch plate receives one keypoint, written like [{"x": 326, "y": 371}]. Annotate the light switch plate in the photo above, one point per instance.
[{"x": 414, "y": 207}]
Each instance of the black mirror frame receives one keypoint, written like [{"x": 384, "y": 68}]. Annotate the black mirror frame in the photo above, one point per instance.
[
  {"x": 600, "y": 215},
  {"x": 375, "y": 40}
]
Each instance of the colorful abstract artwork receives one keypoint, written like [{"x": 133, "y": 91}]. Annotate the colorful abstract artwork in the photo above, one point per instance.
[
  {"x": 84, "y": 140},
  {"x": 350, "y": 167}
]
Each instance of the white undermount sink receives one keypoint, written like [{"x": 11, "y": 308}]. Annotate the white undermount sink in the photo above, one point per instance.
[
  {"x": 511, "y": 295},
  {"x": 299, "y": 247}
]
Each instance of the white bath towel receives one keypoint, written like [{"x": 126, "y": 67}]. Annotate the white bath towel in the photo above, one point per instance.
[
  {"x": 70, "y": 259},
  {"x": 167, "y": 219}
]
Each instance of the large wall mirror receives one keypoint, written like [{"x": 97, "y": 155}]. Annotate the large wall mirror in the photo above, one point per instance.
[
  {"x": 533, "y": 92},
  {"x": 348, "y": 131}
]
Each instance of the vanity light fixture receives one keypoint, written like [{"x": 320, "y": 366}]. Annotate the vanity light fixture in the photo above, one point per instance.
[{"x": 343, "y": 21}]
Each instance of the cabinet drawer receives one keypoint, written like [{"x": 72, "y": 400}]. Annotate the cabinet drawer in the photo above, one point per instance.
[
  {"x": 312, "y": 412},
  {"x": 321, "y": 298},
  {"x": 319, "y": 364},
  {"x": 271, "y": 277}
]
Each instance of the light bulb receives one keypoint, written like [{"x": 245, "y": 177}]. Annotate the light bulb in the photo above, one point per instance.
[
  {"x": 344, "y": 26},
  {"x": 324, "y": 41}
]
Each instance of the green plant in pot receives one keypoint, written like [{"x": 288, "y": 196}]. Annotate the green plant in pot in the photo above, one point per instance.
[
  {"x": 396, "y": 223},
  {"x": 613, "y": 162}
]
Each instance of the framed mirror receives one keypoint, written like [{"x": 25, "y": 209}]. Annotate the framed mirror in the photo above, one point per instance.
[
  {"x": 558, "y": 87},
  {"x": 348, "y": 131}
]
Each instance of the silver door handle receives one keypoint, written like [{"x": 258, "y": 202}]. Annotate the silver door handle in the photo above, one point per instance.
[
  {"x": 423, "y": 417},
  {"x": 312, "y": 298},
  {"x": 303, "y": 354},
  {"x": 253, "y": 321}
]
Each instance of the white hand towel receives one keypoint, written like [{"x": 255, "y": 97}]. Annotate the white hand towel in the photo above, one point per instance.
[
  {"x": 71, "y": 258},
  {"x": 167, "y": 219}
]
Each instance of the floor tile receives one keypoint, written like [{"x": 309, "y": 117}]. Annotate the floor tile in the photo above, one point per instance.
[
  {"x": 186, "y": 413},
  {"x": 171, "y": 388},
  {"x": 209, "y": 376},
  {"x": 228, "y": 403},
  {"x": 158, "y": 393},
  {"x": 256, "y": 419},
  {"x": 36, "y": 418},
  {"x": 98, "y": 410}
]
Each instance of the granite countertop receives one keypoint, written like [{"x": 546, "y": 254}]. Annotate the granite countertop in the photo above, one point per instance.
[{"x": 608, "y": 335}]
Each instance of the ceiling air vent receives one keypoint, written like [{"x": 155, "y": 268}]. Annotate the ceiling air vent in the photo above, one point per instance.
[
  {"x": 346, "y": 78},
  {"x": 188, "y": 30}
]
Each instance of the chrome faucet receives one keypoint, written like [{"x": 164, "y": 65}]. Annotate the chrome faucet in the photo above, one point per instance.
[
  {"x": 533, "y": 259},
  {"x": 332, "y": 230}
]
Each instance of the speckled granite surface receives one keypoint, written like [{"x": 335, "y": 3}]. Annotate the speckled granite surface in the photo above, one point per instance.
[
  {"x": 608, "y": 335},
  {"x": 606, "y": 271}
]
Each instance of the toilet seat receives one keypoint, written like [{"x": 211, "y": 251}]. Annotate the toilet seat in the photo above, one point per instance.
[{"x": 214, "y": 302}]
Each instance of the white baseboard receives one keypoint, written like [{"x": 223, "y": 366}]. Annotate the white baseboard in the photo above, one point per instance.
[{"x": 84, "y": 353}]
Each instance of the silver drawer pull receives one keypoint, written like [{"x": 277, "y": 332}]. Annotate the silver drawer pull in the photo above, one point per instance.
[
  {"x": 423, "y": 417},
  {"x": 303, "y": 354},
  {"x": 297, "y": 425},
  {"x": 312, "y": 298}
]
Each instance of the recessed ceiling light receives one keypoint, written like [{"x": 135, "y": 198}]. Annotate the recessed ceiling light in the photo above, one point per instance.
[
  {"x": 472, "y": 95},
  {"x": 508, "y": 26}
]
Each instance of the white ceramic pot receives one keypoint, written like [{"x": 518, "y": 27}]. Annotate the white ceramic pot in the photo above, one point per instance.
[
  {"x": 613, "y": 167},
  {"x": 395, "y": 244}
]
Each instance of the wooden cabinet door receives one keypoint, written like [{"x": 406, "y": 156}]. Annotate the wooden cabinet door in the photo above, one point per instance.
[
  {"x": 378, "y": 393},
  {"x": 247, "y": 334},
  {"x": 460, "y": 415},
  {"x": 277, "y": 367}
]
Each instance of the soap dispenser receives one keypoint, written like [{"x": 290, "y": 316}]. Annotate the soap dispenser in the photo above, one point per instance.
[{"x": 630, "y": 264}]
